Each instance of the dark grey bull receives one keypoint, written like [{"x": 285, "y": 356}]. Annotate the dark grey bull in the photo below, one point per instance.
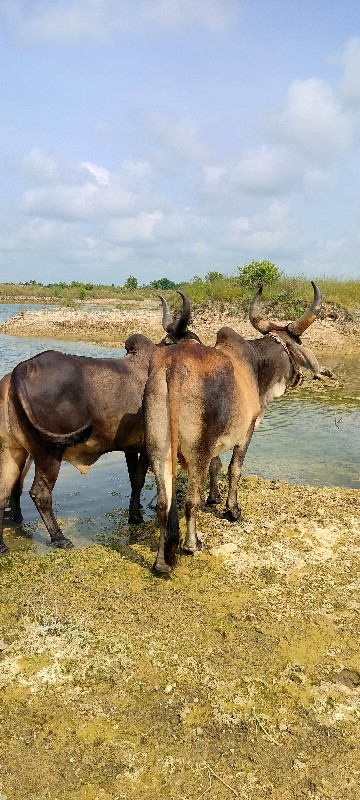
[
  {"x": 57, "y": 407},
  {"x": 201, "y": 401}
]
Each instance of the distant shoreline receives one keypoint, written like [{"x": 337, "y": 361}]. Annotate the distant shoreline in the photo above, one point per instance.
[{"x": 112, "y": 326}]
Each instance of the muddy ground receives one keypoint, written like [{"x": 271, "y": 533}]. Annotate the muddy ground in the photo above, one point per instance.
[{"x": 239, "y": 677}]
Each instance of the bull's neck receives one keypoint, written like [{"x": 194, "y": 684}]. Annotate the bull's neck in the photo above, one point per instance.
[{"x": 268, "y": 360}]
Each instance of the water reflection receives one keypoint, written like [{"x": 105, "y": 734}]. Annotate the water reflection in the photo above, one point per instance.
[{"x": 309, "y": 436}]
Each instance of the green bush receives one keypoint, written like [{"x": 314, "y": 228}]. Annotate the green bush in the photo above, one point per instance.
[{"x": 259, "y": 273}]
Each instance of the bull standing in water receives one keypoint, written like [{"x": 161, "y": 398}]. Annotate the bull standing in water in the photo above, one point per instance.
[
  {"x": 201, "y": 401},
  {"x": 57, "y": 407}
]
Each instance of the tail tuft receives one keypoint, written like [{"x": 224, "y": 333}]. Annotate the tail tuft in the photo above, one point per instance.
[{"x": 172, "y": 536}]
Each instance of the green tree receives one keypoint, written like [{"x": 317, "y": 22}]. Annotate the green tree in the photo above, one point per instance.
[
  {"x": 213, "y": 276},
  {"x": 163, "y": 283},
  {"x": 259, "y": 273},
  {"x": 131, "y": 282}
]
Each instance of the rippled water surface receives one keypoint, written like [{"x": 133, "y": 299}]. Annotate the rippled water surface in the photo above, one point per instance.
[{"x": 310, "y": 436}]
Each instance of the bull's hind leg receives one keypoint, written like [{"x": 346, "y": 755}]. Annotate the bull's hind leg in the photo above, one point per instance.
[
  {"x": 137, "y": 464},
  {"x": 14, "y": 502},
  {"x": 11, "y": 463},
  {"x": 47, "y": 468},
  {"x": 196, "y": 478},
  {"x": 167, "y": 518}
]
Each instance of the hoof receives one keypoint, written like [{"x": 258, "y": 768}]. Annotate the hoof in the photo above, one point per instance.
[
  {"x": 17, "y": 518},
  {"x": 213, "y": 501},
  {"x": 161, "y": 570},
  {"x": 63, "y": 544},
  {"x": 189, "y": 551},
  {"x": 232, "y": 516},
  {"x": 3, "y": 548}
]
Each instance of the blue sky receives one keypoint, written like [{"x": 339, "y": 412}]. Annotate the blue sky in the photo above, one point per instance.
[{"x": 174, "y": 137}]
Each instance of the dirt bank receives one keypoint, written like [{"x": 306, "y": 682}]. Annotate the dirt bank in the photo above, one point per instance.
[
  {"x": 112, "y": 326},
  {"x": 240, "y": 677}
]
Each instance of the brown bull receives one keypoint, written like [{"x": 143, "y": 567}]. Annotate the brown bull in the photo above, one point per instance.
[
  {"x": 57, "y": 407},
  {"x": 201, "y": 401}
]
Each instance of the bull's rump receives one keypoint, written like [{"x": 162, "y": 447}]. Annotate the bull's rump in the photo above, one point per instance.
[
  {"x": 211, "y": 401},
  {"x": 51, "y": 389}
]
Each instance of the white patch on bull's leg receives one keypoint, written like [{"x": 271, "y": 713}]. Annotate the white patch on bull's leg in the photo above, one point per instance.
[
  {"x": 168, "y": 481},
  {"x": 192, "y": 544}
]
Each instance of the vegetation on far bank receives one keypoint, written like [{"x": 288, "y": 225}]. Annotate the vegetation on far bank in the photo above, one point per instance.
[{"x": 284, "y": 295}]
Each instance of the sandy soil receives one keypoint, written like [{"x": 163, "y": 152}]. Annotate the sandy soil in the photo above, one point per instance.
[
  {"x": 112, "y": 326},
  {"x": 239, "y": 677}
]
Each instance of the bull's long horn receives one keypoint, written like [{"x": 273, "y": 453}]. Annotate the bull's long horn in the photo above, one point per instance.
[
  {"x": 258, "y": 322},
  {"x": 167, "y": 319},
  {"x": 299, "y": 326},
  {"x": 180, "y": 327}
]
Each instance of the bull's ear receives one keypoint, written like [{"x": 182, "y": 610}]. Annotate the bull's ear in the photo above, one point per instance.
[{"x": 303, "y": 357}]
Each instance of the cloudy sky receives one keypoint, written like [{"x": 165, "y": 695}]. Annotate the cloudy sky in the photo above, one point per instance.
[{"x": 174, "y": 137}]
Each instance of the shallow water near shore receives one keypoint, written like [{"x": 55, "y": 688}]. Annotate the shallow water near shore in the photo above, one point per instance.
[{"x": 310, "y": 436}]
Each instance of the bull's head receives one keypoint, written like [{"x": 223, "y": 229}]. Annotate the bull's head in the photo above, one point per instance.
[
  {"x": 290, "y": 332},
  {"x": 177, "y": 329}
]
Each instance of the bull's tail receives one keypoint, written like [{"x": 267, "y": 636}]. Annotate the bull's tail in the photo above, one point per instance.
[
  {"x": 67, "y": 439},
  {"x": 172, "y": 531},
  {"x": 24, "y": 472}
]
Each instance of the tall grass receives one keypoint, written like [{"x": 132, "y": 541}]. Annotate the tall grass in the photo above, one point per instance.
[{"x": 287, "y": 296}]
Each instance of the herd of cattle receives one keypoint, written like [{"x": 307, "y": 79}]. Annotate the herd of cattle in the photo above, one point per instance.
[{"x": 179, "y": 399}]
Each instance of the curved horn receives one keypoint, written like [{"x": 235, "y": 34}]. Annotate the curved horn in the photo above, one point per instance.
[
  {"x": 258, "y": 322},
  {"x": 167, "y": 315},
  {"x": 180, "y": 327},
  {"x": 299, "y": 326}
]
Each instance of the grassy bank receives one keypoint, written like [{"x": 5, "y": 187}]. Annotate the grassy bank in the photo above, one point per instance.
[{"x": 287, "y": 297}]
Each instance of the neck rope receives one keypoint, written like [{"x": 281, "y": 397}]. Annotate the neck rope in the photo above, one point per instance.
[{"x": 298, "y": 376}]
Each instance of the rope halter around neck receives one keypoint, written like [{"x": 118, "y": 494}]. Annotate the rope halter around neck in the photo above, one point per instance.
[{"x": 298, "y": 376}]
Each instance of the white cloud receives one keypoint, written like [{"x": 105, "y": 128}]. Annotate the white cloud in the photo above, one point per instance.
[
  {"x": 101, "y": 175},
  {"x": 264, "y": 233},
  {"x": 39, "y": 165},
  {"x": 65, "y": 22},
  {"x": 158, "y": 226},
  {"x": 71, "y": 202},
  {"x": 261, "y": 171},
  {"x": 349, "y": 85},
  {"x": 315, "y": 121},
  {"x": 135, "y": 229},
  {"x": 176, "y": 14},
  {"x": 88, "y": 191},
  {"x": 178, "y": 137},
  {"x": 43, "y": 233}
]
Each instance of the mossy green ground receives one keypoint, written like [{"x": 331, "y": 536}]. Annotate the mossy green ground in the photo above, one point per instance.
[{"x": 239, "y": 677}]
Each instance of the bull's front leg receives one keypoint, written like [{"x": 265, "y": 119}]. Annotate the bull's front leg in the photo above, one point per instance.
[
  {"x": 213, "y": 497},
  {"x": 137, "y": 464},
  {"x": 232, "y": 510}
]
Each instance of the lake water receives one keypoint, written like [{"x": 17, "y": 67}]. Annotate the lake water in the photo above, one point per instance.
[{"x": 311, "y": 436}]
